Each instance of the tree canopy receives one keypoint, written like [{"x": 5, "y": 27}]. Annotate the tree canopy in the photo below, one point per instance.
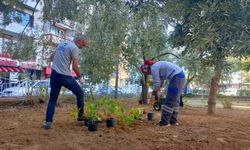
[{"x": 208, "y": 32}]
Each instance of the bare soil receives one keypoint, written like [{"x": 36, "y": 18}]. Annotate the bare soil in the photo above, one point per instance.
[{"x": 20, "y": 128}]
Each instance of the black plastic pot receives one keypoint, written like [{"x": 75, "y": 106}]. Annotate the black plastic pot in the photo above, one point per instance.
[
  {"x": 110, "y": 123},
  {"x": 150, "y": 116},
  {"x": 92, "y": 126},
  {"x": 86, "y": 122}
]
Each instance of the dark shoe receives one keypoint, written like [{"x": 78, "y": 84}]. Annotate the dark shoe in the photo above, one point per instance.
[
  {"x": 47, "y": 125},
  {"x": 161, "y": 123},
  {"x": 81, "y": 118}
]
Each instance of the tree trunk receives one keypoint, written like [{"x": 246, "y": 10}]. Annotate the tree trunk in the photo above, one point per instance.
[
  {"x": 144, "y": 93},
  {"x": 116, "y": 81},
  {"x": 213, "y": 89},
  {"x": 188, "y": 80}
]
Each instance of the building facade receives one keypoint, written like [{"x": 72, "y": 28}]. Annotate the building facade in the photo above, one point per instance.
[{"x": 22, "y": 21}]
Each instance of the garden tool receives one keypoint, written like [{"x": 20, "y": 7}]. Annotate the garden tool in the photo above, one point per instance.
[
  {"x": 159, "y": 100},
  {"x": 156, "y": 101}
]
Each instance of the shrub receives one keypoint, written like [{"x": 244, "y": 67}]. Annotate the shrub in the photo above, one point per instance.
[
  {"x": 91, "y": 112},
  {"x": 244, "y": 92},
  {"x": 104, "y": 108},
  {"x": 42, "y": 94},
  {"x": 227, "y": 102},
  {"x": 137, "y": 113},
  {"x": 74, "y": 112}
]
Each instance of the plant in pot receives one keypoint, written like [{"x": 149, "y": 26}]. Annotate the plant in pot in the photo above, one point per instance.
[
  {"x": 106, "y": 110},
  {"x": 137, "y": 113},
  {"x": 122, "y": 115},
  {"x": 102, "y": 110},
  {"x": 111, "y": 106},
  {"x": 92, "y": 115}
]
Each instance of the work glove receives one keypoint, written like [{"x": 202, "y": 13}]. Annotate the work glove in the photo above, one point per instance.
[{"x": 81, "y": 80}]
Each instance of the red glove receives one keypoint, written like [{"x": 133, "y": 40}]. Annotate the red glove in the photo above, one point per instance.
[{"x": 154, "y": 93}]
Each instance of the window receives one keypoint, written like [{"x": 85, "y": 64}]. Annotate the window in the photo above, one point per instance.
[
  {"x": 1, "y": 45},
  {"x": 1, "y": 18},
  {"x": 21, "y": 18}
]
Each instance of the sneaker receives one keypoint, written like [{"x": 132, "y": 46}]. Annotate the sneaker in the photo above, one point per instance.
[
  {"x": 161, "y": 123},
  {"x": 47, "y": 125},
  {"x": 81, "y": 118}
]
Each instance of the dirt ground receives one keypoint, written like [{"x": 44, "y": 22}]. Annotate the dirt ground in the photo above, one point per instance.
[{"x": 20, "y": 128}]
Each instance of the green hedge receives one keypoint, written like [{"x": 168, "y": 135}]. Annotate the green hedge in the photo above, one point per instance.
[{"x": 244, "y": 92}]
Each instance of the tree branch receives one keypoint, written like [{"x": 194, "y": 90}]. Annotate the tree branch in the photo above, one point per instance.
[{"x": 164, "y": 54}]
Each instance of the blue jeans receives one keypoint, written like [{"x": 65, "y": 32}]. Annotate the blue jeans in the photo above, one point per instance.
[
  {"x": 170, "y": 106},
  {"x": 56, "y": 82}
]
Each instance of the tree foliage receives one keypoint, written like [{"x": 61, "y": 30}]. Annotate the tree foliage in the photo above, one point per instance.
[
  {"x": 245, "y": 64},
  {"x": 116, "y": 32},
  {"x": 213, "y": 30},
  {"x": 7, "y": 8},
  {"x": 23, "y": 47},
  {"x": 145, "y": 35},
  {"x": 105, "y": 33},
  {"x": 58, "y": 10},
  {"x": 210, "y": 31},
  {"x": 23, "y": 50}
]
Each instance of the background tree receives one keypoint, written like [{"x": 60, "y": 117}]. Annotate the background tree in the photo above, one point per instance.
[
  {"x": 134, "y": 30},
  {"x": 116, "y": 31},
  {"x": 244, "y": 66},
  {"x": 214, "y": 30},
  {"x": 23, "y": 47},
  {"x": 103, "y": 52},
  {"x": 145, "y": 38},
  {"x": 23, "y": 50}
]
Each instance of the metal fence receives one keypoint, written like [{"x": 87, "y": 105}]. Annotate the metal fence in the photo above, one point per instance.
[{"x": 17, "y": 88}]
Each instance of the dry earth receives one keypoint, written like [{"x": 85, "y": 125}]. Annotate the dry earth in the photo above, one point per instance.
[{"x": 20, "y": 128}]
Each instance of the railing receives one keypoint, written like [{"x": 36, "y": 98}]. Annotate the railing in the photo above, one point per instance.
[
  {"x": 6, "y": 83},
  {"x": 9, "y": 88}
]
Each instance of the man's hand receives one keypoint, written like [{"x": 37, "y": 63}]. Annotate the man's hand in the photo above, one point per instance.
[
  {"x": 81, "y": 80},
  {"x": 154, "y": 92},
  {"x": 152, "y": 100}
]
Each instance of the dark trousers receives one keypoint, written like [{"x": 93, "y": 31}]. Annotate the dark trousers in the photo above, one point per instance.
[
  {"x": 56, "y": 82},
  {"x": 170, "y": 106}
]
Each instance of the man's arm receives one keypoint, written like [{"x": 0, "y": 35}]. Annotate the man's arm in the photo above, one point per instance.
[
  {"x": 156, "y": 80},
  {"x": 76, "y": 68}
]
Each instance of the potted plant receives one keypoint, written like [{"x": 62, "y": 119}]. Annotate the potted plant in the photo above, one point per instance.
[
  {"x": 106, "y": 110},
  {"x": 110, "y": 122},
  {"x": 137, "y": 113},
  {"x": 150, "y": 116},
  {"x": 111, "y": 106},
  {"x": 122, "y": 115},
  {"x": 102, "y": 109},
  {"x": 92, "y": 115}
]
